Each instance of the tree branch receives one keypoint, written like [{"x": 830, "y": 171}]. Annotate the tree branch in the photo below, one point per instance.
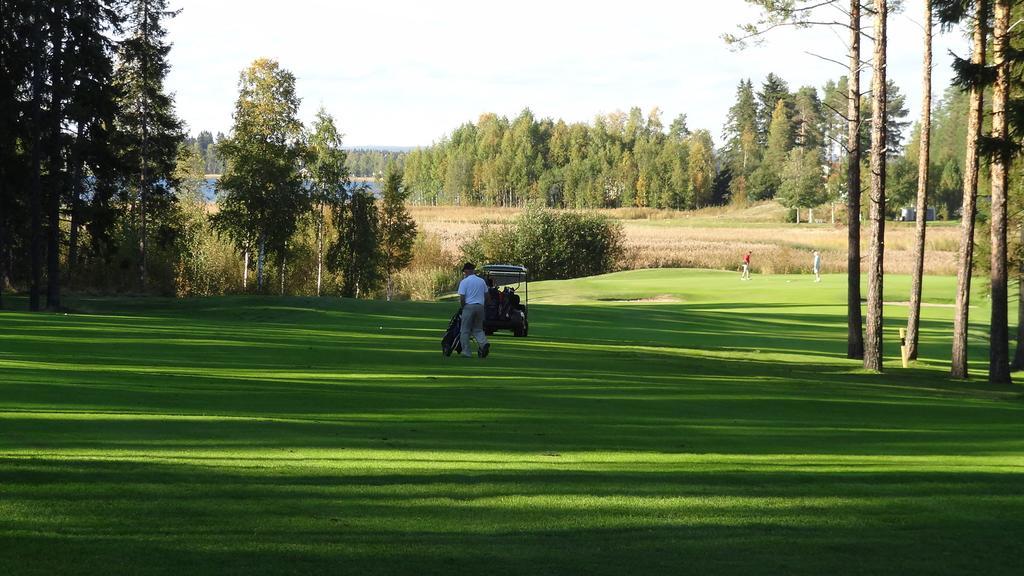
[{"x": 837, "y": 112}]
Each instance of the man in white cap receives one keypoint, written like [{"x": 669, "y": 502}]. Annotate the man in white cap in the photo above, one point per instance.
[{"x": 473, "y": 297}]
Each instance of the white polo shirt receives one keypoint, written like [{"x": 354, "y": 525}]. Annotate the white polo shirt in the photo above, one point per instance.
[{"x": 474, "y": 289}]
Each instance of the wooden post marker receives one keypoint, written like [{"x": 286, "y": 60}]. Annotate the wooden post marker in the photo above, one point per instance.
[{"x": 903, "y": 347}]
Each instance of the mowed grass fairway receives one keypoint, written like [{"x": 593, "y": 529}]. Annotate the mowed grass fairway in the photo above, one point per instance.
[{"x": 712, "y": 427}]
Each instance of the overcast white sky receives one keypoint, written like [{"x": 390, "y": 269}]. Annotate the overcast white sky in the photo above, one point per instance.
[{"x": 404, "y": 73}]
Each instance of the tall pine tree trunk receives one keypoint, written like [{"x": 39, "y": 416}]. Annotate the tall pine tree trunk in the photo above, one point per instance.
[
  {"x": 923, "y": 159},
  {"x": 999, "y": 351},
  {"x": 36, "y": 200},
  {"x": 142, "y": 225},
  {"x": 56, "y": 179},
  {"x": 76, "y": 199},
  {"x": 965, "y": 256},
  {"x": 873, "y": 340},
  {"x": 144, "y": 156},
  {"x": 854, "y": 324}
]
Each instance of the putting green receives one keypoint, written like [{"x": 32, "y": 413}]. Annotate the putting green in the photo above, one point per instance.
[{"x": 662, "y": 421}]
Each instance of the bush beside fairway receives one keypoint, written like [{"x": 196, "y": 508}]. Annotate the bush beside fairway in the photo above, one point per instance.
[{"x": 715, "y": 429}]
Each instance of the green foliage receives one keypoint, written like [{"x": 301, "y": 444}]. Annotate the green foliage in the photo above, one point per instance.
[
  {"x": 261, "y": 196},
  {"x": 551, "y": 244},
  {"x": 774, "y": 90},
  {"x": 367, "y": 163},
  {"x": 620, "y": 160},
  {"x": 803, "y": 184},
  {"x": 148, "y": 132},
  {"x": 397, "y": 228},
  {"x": 356, "y": 255}
]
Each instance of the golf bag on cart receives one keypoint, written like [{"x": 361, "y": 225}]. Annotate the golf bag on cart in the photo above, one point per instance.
[{"x": 451, "y": 340}]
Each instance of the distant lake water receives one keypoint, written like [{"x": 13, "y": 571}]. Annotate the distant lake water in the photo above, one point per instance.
[{"x": 209, "y": 187}]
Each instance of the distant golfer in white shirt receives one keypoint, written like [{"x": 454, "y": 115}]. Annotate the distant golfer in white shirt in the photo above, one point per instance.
[
  {"x": 817, "y": 266},
  {"x": 472, "y": 296}
]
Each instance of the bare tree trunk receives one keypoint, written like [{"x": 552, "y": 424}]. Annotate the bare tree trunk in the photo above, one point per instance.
[
  {"x": 76, "y": 200},
  {"x": 245, "y": 269},
  {"x": 319, "y": 248},
  {"x": 142, "y": 227},
  {"x": 999, "y": 350},
  {"x": 259, "y": 262},
  {"x": 958, "y": 367},
  {"x": 923, "y": 159},
  {"x": 284, "y": 261},
  {"x": 873, "y": 341},
  {"x": 855, "y": 330},
  {"x": 36, "y": 202},
  {"x": 144, "y": 160},
  {"x": 56, "y": 175}
]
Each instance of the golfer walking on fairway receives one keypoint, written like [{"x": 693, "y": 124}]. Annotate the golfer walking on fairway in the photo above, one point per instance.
[
  {"x": 746, "y": 266},
  {"x": 472, "y": 296},
  {"x": 816, "y": 267}
]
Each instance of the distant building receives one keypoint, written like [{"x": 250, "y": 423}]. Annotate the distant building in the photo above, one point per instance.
[{"x": 910, "y": 215}]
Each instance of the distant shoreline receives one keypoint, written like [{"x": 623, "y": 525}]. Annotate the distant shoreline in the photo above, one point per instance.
[{"x": 353, "y": 178}]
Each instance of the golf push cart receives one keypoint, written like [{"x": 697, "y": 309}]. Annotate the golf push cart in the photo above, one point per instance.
[{"x": 505, "y": 311}]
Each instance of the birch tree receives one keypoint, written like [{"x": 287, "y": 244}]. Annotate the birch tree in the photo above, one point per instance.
[{"x": 329, "y": 180}]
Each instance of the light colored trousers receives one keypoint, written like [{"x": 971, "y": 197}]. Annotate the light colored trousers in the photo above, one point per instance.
[{"x": 472, "y": 321}]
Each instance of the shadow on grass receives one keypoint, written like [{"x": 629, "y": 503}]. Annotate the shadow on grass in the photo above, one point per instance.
[
  {"x": 348, "y": 374},
  {"x": 252, "y": 435},
  {"x": 89, "y": 516}
]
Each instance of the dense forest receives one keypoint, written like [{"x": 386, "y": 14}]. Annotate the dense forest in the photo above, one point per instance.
[
  {"x": 101, "y": 189},
  {"x": 779, "y": 144}
]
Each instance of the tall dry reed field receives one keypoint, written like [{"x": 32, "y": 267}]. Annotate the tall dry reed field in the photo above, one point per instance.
[{"x": 717, "y": 238}]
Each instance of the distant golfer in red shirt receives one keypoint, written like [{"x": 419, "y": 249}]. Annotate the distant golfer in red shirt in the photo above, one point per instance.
[{"x": 746, "y": 266}]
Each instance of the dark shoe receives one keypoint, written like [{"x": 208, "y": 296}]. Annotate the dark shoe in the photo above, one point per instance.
[{"x": 484, "y": 350}]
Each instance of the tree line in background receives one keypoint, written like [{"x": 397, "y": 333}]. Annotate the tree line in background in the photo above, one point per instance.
[
  {"x": 361, "y": 162},
  {"x": 779, "y": 144},
  {"x": 100, "y": 188}
]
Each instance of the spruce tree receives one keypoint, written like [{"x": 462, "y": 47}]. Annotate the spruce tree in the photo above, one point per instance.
[
  {"x": 741, "y": 149},
  {"x": 356, "y": 254},
  {"x": 148, "y": 128},
  {"x": 397, "y": 228},
  {"x": 773, "y": 90}
]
